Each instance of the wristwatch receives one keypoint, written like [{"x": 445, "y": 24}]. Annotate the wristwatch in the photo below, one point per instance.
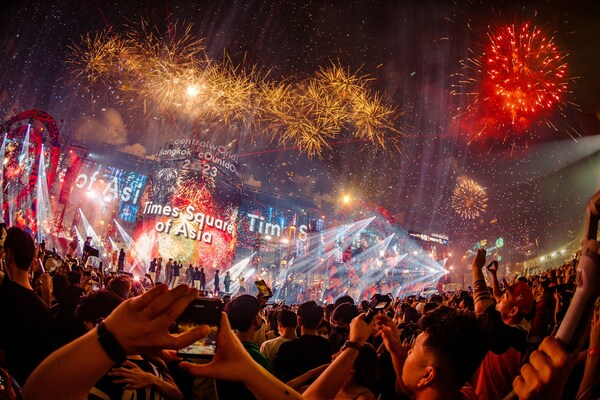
[
  {"x": 110, "y": 344},
  {"x": 351, "y": 345}
]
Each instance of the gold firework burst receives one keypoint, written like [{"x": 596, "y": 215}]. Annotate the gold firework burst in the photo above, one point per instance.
[
  {"x": 96, "y": 56},
  {"x": 469, "y": 199},
  {"x": 172, "y": 73}
]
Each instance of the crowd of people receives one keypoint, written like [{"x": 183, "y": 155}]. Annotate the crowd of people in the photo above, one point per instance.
[{"x": 68, "y": 331}]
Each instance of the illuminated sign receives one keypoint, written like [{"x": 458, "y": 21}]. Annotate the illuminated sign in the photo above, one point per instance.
[
  {"x": 434, "y": 237},
  {"x": 267, "y": 228},
  {"x": 111, "y": 184},
  {"x": 499, "y": 243}
]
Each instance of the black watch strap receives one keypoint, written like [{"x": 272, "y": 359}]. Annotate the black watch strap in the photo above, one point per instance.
[
  {"x": 352, "y": 345},
  {"x": 110, "y": 344}
]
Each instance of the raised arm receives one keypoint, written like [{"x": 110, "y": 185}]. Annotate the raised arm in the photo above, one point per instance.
[
  {"x": 495, "y": 284},
  {"x": 592, "y": 362},
  {"x": 331, "y": 380},
  {"x": 481, "y": 294},
  {"x": 139, "y": 325}
]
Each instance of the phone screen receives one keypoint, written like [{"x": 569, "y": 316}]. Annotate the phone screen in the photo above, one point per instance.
[
  {"x": 263, "y": 289},
  {"x": 201, "y": 312}
]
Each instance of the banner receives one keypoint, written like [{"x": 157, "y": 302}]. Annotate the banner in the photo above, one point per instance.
[{"x": 189, "y": 210}]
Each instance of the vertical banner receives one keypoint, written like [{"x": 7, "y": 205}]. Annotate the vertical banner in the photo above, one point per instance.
[{"x": 189, "y": 210}]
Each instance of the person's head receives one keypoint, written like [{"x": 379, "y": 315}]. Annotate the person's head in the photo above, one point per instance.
[
  {"x": 120, "y": 286},
  {"x": 95, "y": 306},
  {"x": 446, "y": 353},
  {"x": 324, "y": 329},
  {"x": 19, "y": 249},
  {"x": 328, "y": 310},
  {"x": 411, "y": 315},
  {"x": 344, "y": 299},
  {"x": 430, "y": 306},
  {"x": 343, "y": 315},
  {"x": 364, "y": 306},
  {"x": 59, "y": 284},
  {"x": 271, "y": 316},
  {"x": 286, "y": 319},
  {"x": 243, "y": 313},
  {"x": 309, "y": 315},
  {"x": 515, "y": 303},
  {"x": 436, "y": 298},
  {"x": 467, "y": 303}
]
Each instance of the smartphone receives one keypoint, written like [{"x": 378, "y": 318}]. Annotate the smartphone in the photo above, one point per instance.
[
  {"x": 201, "y": 311},
  {"x": 264, "y": 291},
  {"x": 493, "y": 265},
  {"x": 379, "y": 302}
]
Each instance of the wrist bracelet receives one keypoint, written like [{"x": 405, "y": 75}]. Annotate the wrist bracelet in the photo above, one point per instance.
[
  {"x": 351, "y": 345},
  {"x": 110, "y": 344},
  {"x": 594, "y": 351}
]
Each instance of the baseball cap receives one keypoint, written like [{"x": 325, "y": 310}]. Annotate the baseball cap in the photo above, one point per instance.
[
  {"x": 242, "y": 310},
  {"x": 522, "y": 296}
]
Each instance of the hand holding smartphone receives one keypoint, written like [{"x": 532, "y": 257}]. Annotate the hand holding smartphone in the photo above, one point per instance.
[{"x": 201, "y": 311}]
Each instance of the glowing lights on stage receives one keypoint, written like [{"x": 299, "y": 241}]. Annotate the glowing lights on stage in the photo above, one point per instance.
[{"x": 44, "y": 211}]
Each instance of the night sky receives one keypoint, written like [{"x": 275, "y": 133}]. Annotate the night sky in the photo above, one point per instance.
[{"x": 537, "y": 188}]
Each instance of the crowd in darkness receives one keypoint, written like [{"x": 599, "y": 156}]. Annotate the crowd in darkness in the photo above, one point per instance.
[{"x": 69, "y": 330}]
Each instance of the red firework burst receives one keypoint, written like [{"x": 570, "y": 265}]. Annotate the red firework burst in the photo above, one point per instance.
[
  {"x": 521, "y": 79},
  {"x": 525, "y": 73}
]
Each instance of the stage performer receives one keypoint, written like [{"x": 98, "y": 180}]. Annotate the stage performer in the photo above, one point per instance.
[
  {"x": 121, "y": 263},
  {"x": 202, "y": 279},
  {"x": 86, "y": 246},
  {"x": 227, "y": 281},
  {"x": 72, "y": 246},
  {"x": 176, "y": 268},
  {"x": 158, "y": 271},
  {"x": 169, "y": 272},
  {"x": 242, "y": 282},
  {"x": 114, "y": 260},
  {"x": 217, "y": 289}
]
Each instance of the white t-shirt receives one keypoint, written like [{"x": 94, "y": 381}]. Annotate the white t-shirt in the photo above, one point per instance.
[{"x": 270, "y": 348}]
